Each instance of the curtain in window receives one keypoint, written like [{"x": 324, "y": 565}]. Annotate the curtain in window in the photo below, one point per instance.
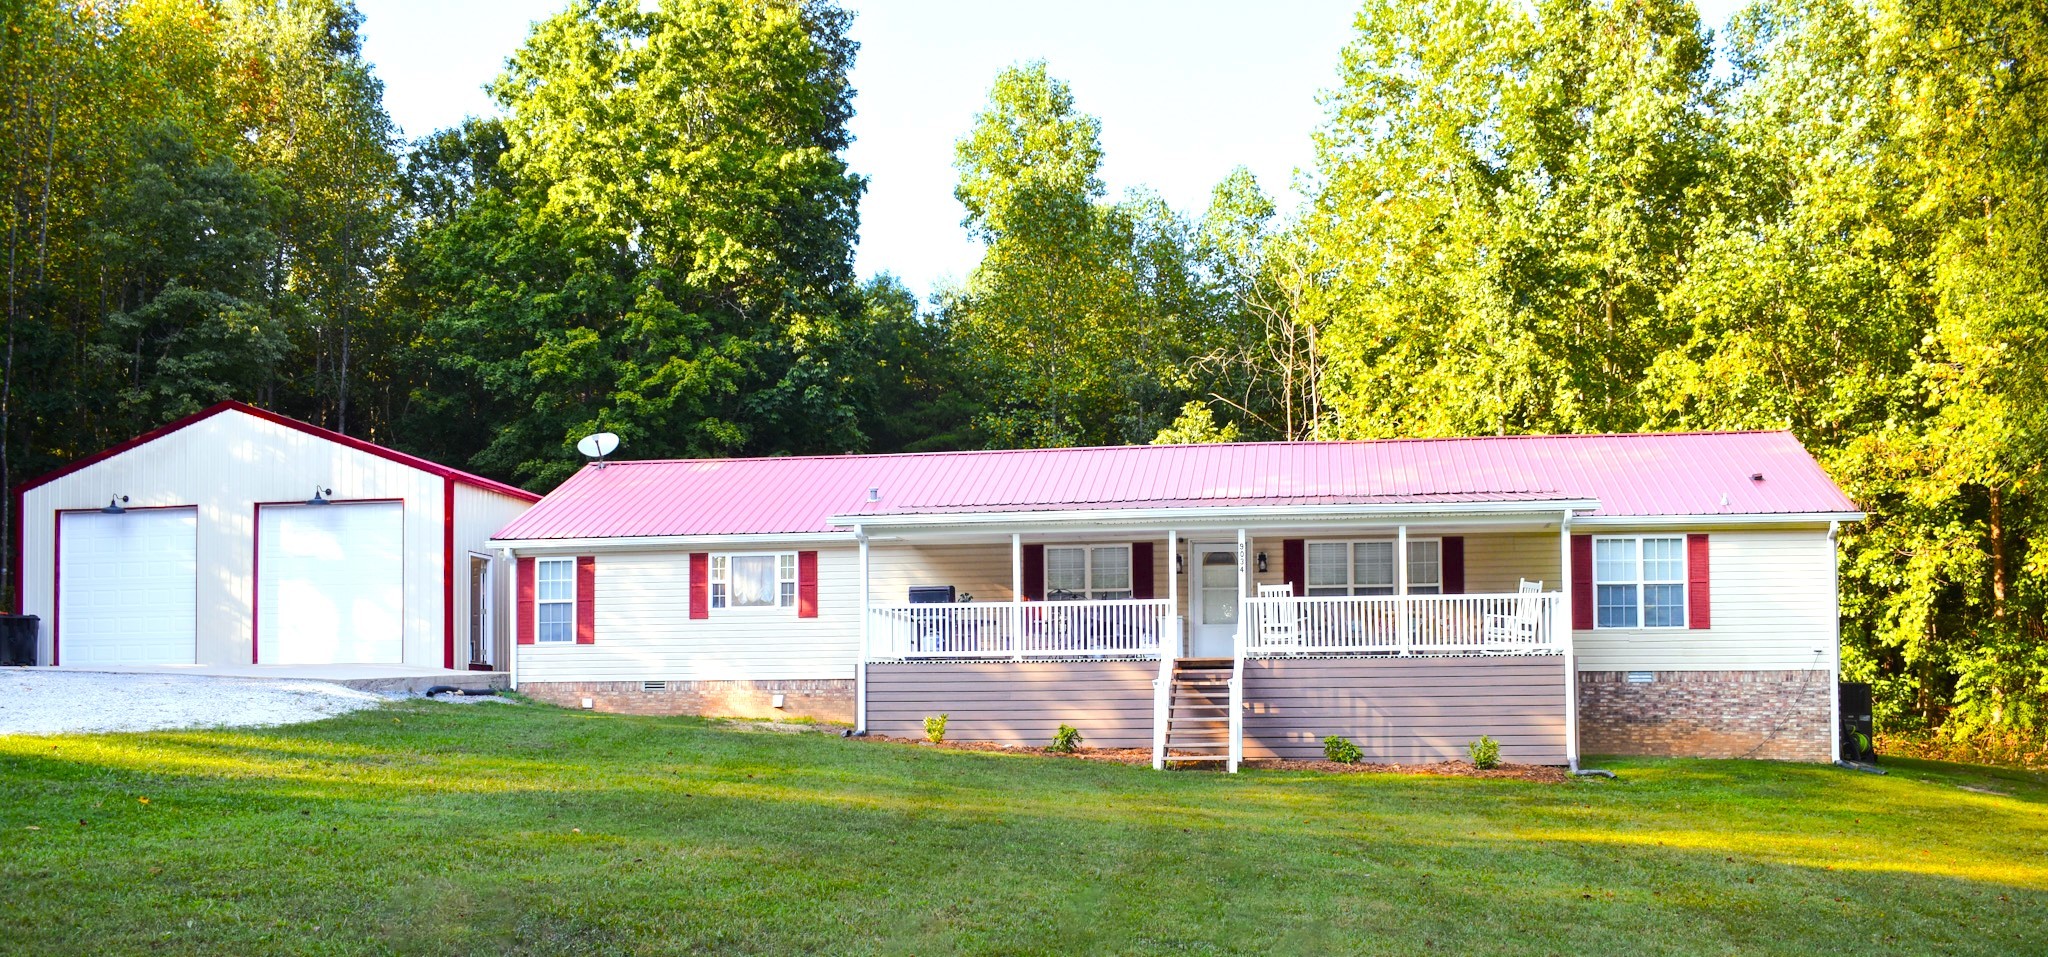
[{"x": 753, "y": 581}]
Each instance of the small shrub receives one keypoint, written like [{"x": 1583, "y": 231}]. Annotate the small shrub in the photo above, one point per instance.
[
  {"x": 935, "y": 728},
  {"x": 1066, "y": 740},
  {"x": 1341, "y": 750},
  {"x": 1485, "y": 752}
]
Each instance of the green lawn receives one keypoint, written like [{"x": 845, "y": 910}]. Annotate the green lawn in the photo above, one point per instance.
[{"x": 438, "y": 828}]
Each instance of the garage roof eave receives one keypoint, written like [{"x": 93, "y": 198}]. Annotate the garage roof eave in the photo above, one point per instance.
[{"x": 433, "y": 468}]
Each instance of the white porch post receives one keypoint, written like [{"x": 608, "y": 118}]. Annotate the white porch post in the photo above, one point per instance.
[
  {"x": 1563, "y": 626},
  {"x": 1173, "y": 590},
  {"x": 1244, "y": 574},
  {"x": 860, "y": 675},
  {"x": 1017, "y": 594},
  {"x": 1401, "y": 584},
  {"x": 1169, "y": 649}
]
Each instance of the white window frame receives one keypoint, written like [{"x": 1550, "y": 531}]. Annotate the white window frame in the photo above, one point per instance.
[
  {"x": 1351, "y": 585},
  {"x": 785, "y": 583},
  {"x": 540, "y": 622},
  {"x": 1641, "y": 579},
  {"x": 1089, "y": 592}
]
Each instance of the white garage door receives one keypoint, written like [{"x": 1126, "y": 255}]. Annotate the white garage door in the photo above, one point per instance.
[
  {"x": 126, "y": 587},
  {"x": 330, "y": 582}
]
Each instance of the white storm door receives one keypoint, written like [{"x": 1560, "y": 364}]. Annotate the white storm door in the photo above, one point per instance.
[
  {"x": 126, "y": 587},
  {"x": 1213, "y": 601},
  {"x": 331, "y": 583}
]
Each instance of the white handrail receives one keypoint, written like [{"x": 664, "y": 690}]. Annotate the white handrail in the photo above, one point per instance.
[
  {"x": 1523, "y": 623},
  {"x": 1126, "y": 628}
]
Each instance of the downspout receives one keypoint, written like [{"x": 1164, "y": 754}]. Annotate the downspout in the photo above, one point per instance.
[
  {"x": 512, "y": 646},
  {"x": 1571, "y": 655},
  {"x": 1835, "y": 620},
  {"x": 860, "y": 674}
]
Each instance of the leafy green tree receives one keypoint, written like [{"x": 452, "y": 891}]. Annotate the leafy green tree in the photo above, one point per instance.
[
  {"x": 1507, "y": 194},
  {"x": 191, "y": 239},
  {"x": 1076, "y": 313}
]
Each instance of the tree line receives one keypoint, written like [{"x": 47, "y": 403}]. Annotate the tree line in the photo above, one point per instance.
[{"x": 1556, "y": 216}]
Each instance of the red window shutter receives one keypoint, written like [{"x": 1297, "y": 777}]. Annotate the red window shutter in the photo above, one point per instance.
[
  {"x": 1294, "y": 564},
  {"x": 700, "y": 584},
  {"x": 1141, "y": 570},
  {"x": 524, "y": 611},
  {"x": 1582, "y": 582},
  {"x": 1699, "y": 604},
  {"x": 586, "y": 600},
  {"x": 807, "y": 584},
  {"x": 1034, "y": 572},
  {"x": 1453, "y": 567}
]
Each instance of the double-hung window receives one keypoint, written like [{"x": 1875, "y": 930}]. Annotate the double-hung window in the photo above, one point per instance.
[
  {"x": 757, "y": 581},
  {"x": 1091, "y": 572},
  {"x": 555, "y": 599},
  {"x": 1639, "y": 582},
  {"x": 1367, "y": 568}
]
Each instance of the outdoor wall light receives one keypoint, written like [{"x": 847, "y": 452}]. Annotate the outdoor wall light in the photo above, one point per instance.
[
  {"x": 114, "y": 506},
  {"x": 1180, "y": 564},
  {"x": 320, "y": 496},
  {"x": 1262, "y": 563}
]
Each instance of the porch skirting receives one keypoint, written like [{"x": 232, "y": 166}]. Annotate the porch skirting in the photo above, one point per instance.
[
  {"x": 1781, "y": 715},
  {"x": 824, "y": 699},
  {"x": 1406, "y": 710},
  {"x": 1016, "y": 702}
]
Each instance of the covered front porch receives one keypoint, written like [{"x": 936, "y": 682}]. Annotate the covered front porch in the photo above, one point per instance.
[{"x": 1409, "y": 634}]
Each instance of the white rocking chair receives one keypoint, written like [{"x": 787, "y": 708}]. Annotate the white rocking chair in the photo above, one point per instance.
[
  {"x": 1518, "y": 632},
  {"x": 1279, "y": 629}
]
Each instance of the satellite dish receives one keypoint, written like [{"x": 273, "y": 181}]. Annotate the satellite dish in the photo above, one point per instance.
[{"x": 598, "y": 446}]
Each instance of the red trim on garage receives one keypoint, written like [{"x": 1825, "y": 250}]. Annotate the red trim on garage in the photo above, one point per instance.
[
  {"x": 57, "y": 567},
  {"x": 448, "y": 573},
  {"x": 14, "y": 551},
  {"x": 372, "y": 448}
]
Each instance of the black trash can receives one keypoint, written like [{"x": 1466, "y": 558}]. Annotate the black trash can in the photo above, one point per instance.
[
  {"x": 1859, "y": 731},
  {"x": 18, "y": 639}
]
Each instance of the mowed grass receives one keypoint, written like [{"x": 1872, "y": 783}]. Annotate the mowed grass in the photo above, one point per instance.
[{"x": 426, "y": 828}]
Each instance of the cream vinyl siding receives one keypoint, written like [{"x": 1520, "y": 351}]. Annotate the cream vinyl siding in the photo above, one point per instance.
[
  {"x": 644, "y": 630},
  {"x": 1771, "y": 610}
]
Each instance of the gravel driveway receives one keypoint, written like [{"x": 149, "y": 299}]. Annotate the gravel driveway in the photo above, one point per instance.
[{"x": 59, "y": 702}]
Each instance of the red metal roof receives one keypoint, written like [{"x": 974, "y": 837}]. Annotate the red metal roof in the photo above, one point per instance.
[{"x": 1654, "y": 474}]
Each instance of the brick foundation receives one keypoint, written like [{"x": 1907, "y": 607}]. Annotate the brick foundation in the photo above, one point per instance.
[
  {"x": 822, "y": 699},
  {"x": 1777, "y": 715}
]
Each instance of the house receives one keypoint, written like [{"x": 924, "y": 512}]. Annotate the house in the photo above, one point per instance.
[
  {"x": 239, "y": 537},
  {"x": 1664, "y": 594}
]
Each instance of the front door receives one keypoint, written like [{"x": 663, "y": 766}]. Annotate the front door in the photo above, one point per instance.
[{"x": 1212, "y": 597}]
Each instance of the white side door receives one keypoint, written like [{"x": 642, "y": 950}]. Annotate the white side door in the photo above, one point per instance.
[
  {"x": 1212, "y": 600},
  {"x": 331, "y": 583},
  {"x": 127, "y": 587}
]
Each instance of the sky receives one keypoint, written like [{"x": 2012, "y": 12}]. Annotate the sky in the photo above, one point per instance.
[{"x": 1186, "y": 91}]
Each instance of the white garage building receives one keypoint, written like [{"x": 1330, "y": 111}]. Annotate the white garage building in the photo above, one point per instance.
[{"x": 238, "y": 537}]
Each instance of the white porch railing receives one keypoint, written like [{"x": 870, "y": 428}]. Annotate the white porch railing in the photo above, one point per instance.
[
  {"x": 1525, "y": 623},
  {"x": 1128, "y": 628}
]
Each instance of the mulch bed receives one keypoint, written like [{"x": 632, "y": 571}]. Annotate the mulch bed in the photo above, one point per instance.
[{"x": 1143, "y": 756}]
